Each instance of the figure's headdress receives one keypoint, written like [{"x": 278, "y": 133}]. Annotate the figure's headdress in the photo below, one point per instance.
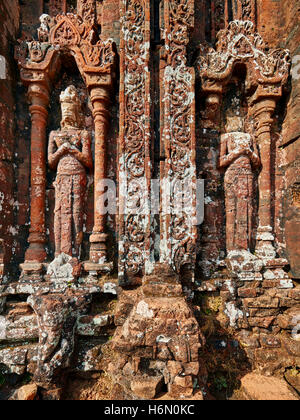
[{"x": 71, "y": 96}]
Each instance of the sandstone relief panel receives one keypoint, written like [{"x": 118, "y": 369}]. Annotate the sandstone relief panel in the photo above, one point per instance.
[
  {"x": 239, "y": 155},
  {"x": 69, "y": 152},
  {"x": 136, "y": 298}
]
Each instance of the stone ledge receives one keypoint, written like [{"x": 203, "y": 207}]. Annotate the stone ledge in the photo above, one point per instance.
[
  {"x": 262, "y": 388},
  {"x": 91, "y": 267}
]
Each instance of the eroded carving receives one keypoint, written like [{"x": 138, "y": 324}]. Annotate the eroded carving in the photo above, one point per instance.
[
  {"x": 239, "y": 155},
  {"x": 135, "y": 147},
  {"x": 57, "y": 315}
]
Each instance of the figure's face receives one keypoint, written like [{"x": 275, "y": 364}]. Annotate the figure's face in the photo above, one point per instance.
[
  {"x": 69, "y": 114},
  {"x": 234, "y": 124}
]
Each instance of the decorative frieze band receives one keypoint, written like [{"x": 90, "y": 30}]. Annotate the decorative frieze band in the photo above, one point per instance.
[
  {"x": 178, "y": 230},
  {"x": 134, "y": 160}
]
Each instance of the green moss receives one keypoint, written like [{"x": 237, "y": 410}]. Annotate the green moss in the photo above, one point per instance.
[{"x": 220, "y": 383}]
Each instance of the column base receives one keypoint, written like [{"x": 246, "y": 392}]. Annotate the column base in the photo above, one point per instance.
[
  {"x": 32, "y": 272},
  {"x": 36, "y": 253},
  {"x": 265, "y": 249},
  {"x": 95, "y": 269},
  {"x": 274, "y": 271},
  {"x": 98, "y": 248}
]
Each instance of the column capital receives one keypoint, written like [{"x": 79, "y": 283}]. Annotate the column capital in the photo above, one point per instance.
[
  {"x": 38, "y": 95},
  {"x": 263, "y": 111}
]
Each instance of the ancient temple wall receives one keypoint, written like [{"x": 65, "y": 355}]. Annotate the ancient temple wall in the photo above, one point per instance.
[
  {"x": 9, "y": 27},
  {"x": 291, "y": 138},
  {"x": 264, "y": 313},
  {"x": 248, "y": 322}
]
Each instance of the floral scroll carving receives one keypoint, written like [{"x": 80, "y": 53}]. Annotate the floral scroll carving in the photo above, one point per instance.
[
  {"x": 178, "y": 246},
  {"x": 135, "y": 159},
  {"x": 247, "y": 9}
]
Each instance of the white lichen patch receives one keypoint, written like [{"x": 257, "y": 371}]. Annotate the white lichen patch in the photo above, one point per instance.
[
  {"x": 143, "y": 310},
  {"x": 233, "y": 313},
  {"x": 110, "y": 288},
  {"x": 3, "y": 324}
]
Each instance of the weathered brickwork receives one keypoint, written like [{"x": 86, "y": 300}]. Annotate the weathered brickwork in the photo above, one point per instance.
[
  {"x": 9, "y": 24},
  {"x": 140, "y": 305}
]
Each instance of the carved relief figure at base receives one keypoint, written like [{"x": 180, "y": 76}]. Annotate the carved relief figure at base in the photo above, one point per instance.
[
  {"x": 70, "y": 152},
  {"x": 57, "y": 315}
]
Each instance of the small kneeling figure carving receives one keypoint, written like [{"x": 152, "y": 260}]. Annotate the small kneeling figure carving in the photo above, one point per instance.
[{"x": 70, "y": 152}]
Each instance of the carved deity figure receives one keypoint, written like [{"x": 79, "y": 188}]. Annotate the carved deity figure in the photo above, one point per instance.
[
  {"x": 70, "y": 153},
  {"x": 240, "y": 156}
]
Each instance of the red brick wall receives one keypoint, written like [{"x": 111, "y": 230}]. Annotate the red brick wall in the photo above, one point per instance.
[
  {"x": 9, "y": 25},
  {"x": 291, "y": 135}
]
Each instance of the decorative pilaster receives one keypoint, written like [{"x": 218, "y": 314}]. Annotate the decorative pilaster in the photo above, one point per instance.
[
  {"x": 178, "y": 178},
  {"x": 39, "y": 98},
  {"x": 98, "y": 249},
  {"x": 135, "y": 256},
  {"x": 263, "y": 112}
]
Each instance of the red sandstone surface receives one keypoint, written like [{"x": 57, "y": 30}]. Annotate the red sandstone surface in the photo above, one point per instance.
[{"x": 141, "y": 306}]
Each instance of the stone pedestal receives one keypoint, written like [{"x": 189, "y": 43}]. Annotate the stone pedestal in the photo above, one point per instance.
[{"x": 162, "y": 332}]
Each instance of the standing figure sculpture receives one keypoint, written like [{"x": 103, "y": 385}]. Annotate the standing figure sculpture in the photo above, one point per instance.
[
  {"x": 240, "y": 156},
  {"x": 70, "y": 152}
]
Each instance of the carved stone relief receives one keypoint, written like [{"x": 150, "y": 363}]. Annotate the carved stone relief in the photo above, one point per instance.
[
  {"x": 135, "y": 163},
  {"x": 69, "y": 152},
  {"x": 40, "y": 63},
  {"x": 178, "y": 229},
  {"x": 239, "y": 155}
]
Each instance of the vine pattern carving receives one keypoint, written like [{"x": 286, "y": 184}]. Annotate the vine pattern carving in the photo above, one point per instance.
[
  {"x": 134, "y": 161},
  {"x": 178, "y": 246}
]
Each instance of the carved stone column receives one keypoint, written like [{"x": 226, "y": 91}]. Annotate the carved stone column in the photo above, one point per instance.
[
  {"x": 38, "y": 64},
  {"x": 263, "y": 111},
  {"x": 39, "y": 97},
  {"x": 100, "y": 100},
  {"x": 178, "y": 230}
]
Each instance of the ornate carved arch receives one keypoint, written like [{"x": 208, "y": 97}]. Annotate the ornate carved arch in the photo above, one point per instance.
[{"x": 240, "y": 43}]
